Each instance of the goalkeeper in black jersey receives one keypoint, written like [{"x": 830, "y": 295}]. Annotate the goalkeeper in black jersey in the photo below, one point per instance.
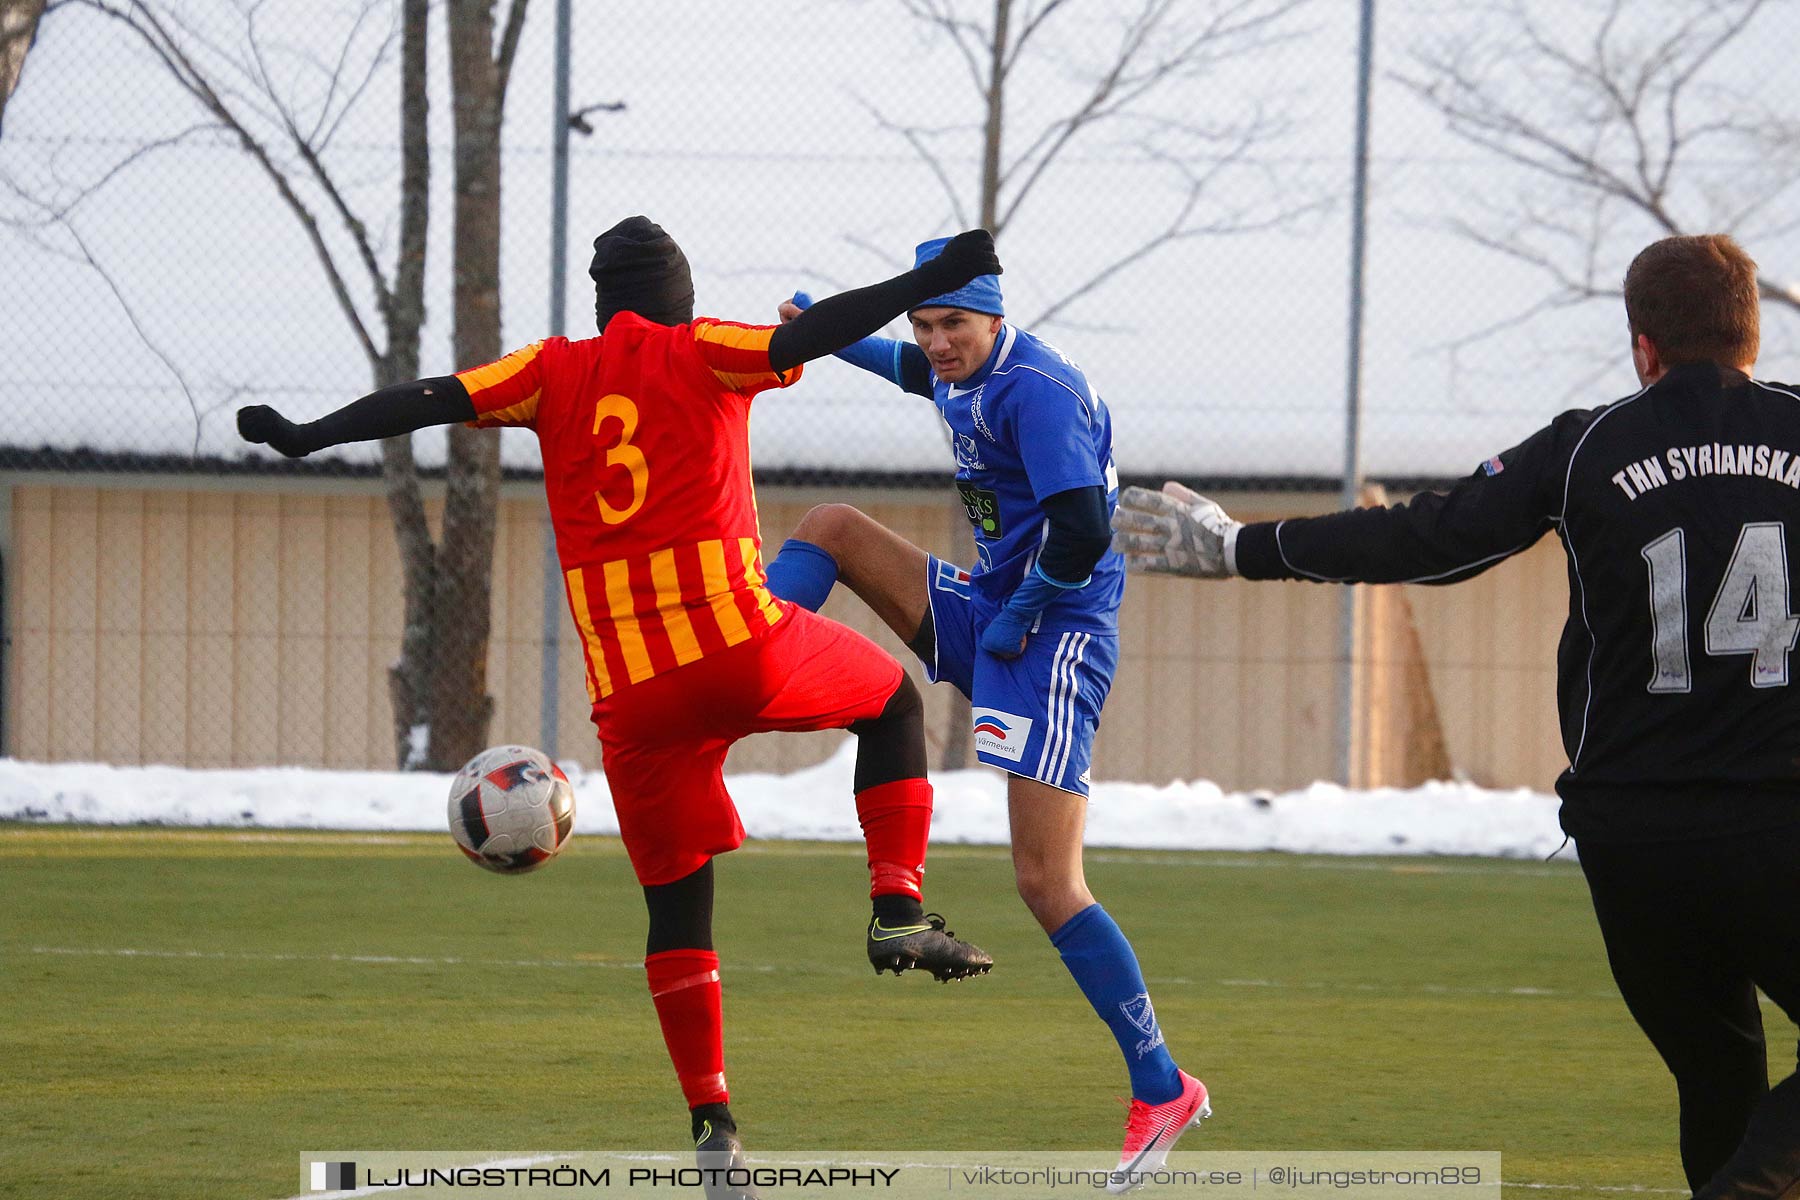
[{"x": 1679, "y": 509}]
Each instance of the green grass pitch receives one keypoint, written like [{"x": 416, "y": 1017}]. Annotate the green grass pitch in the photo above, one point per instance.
[{"x": 183, "y": 1012}]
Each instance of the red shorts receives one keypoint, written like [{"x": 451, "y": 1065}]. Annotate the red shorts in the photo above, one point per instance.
[{"x": 663, "y": 741}]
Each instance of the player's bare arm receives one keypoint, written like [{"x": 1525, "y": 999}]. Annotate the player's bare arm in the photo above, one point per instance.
[{"x": 388, "y": 412}]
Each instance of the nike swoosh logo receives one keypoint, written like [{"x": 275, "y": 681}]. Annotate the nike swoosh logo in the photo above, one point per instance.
[
  {"x": 881, "y": 933},
  {"x": 1148, "y": 1147}
]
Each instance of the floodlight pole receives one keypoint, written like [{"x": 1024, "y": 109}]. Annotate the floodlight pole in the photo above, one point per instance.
[
  {"x": 548, "y": 708},
  {"x": 1351, "y": 601}
]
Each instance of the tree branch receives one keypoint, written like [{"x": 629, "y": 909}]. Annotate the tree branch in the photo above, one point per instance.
[
  {"x": 144, "y": 23},
  {"x": 938, "y": 13},
  {"x": 318, "y": 134},
  {"x": 1238, "y": 29},
  {"x": 1181, "y": 227},
  {"x": 407, "y": 315},
  {"x": 323, "y": 134},
  {"x": 56, "y": 213},
  {"x": 309, "y": 157},
  {"x": 915, "y": 137},
  {"x": 1032, "y": 23},
  {"x": 112, "y": 285},
  {"x": 1575, "y": 106},
  {"x": 509, "y": 45}
]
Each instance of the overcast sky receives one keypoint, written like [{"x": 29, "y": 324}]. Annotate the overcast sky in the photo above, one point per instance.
[{"x": 754, "y": 132}]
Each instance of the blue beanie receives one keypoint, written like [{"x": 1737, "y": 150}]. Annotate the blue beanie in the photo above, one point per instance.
[{"x": 981, "y": 294}]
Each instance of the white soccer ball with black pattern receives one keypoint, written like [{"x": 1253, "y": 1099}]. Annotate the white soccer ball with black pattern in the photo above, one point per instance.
[{"x": 511, "y": 809}]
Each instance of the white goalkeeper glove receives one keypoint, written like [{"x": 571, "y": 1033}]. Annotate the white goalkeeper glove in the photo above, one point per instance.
[{"x": 1175, "y": 532}]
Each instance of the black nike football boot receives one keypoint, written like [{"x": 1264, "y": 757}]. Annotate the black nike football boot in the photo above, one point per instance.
[
  {"x": 925, "y": 946},
  {"x": 720, "y": 1156}
]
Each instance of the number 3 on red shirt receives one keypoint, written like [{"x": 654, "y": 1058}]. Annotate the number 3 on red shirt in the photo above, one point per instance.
[{"x": 623, "y": 454}]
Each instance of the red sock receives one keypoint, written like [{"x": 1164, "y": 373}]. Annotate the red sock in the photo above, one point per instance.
[
  {"x": 684, "y": 985},
  {"x": 896, "y": 823}
]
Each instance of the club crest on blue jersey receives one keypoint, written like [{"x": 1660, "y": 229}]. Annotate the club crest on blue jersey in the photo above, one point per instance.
[{"x": 1028, "y": 418}]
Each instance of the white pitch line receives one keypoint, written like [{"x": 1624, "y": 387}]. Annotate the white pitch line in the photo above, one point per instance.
[
  {"x": 380, "y": 960},
  {"x": 1428, "y": 989},
  {"x": 539, "y": 1160},
  {"x": 1265, "y": 860},
  {"x": 385, "y": 960},
  {"x": 1632, "y": 1188},
  {"x": 1276, "y": 860},
  {"x": 1255, "y": 860},
  {"x": 294, "y": 837}
]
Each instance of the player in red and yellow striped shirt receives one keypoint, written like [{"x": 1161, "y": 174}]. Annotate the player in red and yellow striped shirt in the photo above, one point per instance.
[
  {"x": 644, "y": 432},
  {"x": 647, "y": 469}
]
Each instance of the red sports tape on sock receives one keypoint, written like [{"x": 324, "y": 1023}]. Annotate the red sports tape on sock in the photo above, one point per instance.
[
  {"x": 896, "y": 823},
  {"x": 684, "y": 986}
]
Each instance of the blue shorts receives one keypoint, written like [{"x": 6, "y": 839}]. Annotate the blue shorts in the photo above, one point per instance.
[{"x": 1035, "y": 715}]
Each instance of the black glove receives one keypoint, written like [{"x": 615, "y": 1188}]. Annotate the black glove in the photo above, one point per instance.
[
  {"x": 262, "y": 424},
  {"x": 965, "y": 256}
]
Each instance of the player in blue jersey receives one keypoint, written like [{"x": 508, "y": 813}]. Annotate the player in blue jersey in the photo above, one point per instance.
[{"x": 1029, "y": 633}]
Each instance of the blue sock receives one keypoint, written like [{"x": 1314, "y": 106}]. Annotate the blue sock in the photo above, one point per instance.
[
  {"x": 802, "y": 573},
  {"x": 1102, "y": 962}
]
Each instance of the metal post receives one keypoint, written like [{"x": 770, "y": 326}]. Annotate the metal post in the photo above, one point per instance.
[
  {"x": 1353, "y": 389},
  {"x": 548, "y": 710}
]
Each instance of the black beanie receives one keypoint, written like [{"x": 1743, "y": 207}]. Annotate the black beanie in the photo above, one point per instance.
[{"x": 638, "y": 268}]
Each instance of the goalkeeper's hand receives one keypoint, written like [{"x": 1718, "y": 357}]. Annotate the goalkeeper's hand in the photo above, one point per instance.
[
  {"x": 261, "y": 424},
  {"x": 1174, "y": 532}
]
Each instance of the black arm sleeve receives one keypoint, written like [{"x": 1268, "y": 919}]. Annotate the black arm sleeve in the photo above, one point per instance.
[
  {"x": 393, "y": 410},
  {"x": 1433, "y": 538},
  {"x": 837, "y": 321},
  {"x": 1080, "y": 533}
]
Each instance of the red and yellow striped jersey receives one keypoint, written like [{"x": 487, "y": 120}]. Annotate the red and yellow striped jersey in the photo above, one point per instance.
[{"x": 645, "y": 437}]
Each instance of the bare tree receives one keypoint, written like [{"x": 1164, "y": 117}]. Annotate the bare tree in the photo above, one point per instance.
[
  {"x": 18, "y": 26},
  {"x": 447, "y": 691},
  {"x": 286, "y": 127},
  {"x": 1114, "y": 79},
  {"x": 1622, "y": 120}
]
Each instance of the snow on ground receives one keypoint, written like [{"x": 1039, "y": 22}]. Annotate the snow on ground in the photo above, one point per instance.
[{"x": 815, "y": 803}]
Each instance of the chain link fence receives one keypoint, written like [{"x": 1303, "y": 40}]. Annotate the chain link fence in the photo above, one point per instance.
[{"x": 1169, "y": 181}]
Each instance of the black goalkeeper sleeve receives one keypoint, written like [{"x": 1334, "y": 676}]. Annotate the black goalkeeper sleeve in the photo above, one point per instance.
[
  {"x": 1506, "y": 505},
  {"x": 1080, "y": 533},
  {"x": 393, "y": 410}
]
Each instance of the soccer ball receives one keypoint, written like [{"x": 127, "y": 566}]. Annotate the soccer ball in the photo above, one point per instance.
[{"x": 511, "y": 809}]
